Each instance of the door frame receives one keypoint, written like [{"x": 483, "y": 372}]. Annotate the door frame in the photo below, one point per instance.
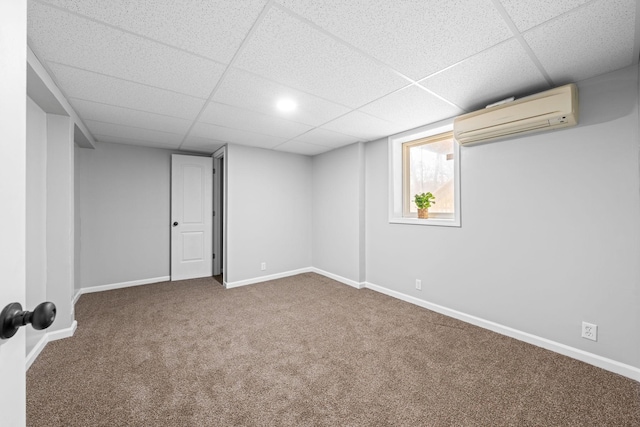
[{"x": 220, "y": 207}]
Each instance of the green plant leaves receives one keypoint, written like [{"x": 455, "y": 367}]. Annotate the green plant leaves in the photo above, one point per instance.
[{"x": 424, "y": 200}]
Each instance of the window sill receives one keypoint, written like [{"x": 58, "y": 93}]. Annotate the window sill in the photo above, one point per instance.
[{"x": 438, "y": 222}]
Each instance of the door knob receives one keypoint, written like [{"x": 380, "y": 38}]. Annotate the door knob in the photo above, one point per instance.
[
  {"x": 12, "y": 317},
  {"x": 175, "y": 223}
]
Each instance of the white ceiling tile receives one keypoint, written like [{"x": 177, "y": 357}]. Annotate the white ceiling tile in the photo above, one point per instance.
[
  {"x": 411, "y": 107},
  {"x": 593, "y": 40},
  {"x": 302, "y": 148},
  {"x": 195, "y": 143},
  {"x": 109, "y": 90},
  {"x": 120, "y": 131},
  {"x": 225, "y": 134},
  {"x": 500, "y": 72},
  {"x": 527, "y": 14},
  {"x": 251, "y": 92},
  {"x": 363, "y": 126},
  {"x": 212, "y": 28},
  {"x": 293, "y": 53},
  {"x": 196, "y": 149},
  {"x": 96, "y": 47},
  {"x": 326, "y": 138},
  {"x": 136, "y": 142},
  {"x": 89, "y": 110},
  {"x": 409, "y": 34},
  {"x": 238, "y": 118}
]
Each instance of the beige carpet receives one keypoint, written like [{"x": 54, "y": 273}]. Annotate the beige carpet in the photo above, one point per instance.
[{"x": 304, "y": 351}]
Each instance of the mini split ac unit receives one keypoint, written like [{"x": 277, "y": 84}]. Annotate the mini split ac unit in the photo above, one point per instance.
[{"x": 552, "y": 109}]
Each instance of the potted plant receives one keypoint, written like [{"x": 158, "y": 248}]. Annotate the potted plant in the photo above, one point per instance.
[{"x": 423, "y": 202}]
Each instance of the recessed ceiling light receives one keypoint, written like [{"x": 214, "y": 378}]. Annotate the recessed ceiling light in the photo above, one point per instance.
[{"x": 286, "y": 105}]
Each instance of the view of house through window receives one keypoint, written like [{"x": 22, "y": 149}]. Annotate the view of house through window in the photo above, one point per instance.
[{"x": 429, "y": 166}]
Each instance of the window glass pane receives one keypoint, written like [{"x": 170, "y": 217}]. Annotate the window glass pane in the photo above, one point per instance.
[{"x": 432, "y": 170}]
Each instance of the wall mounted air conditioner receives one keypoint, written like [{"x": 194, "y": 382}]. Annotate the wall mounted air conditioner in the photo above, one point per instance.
[{"x": 552, "y": 109}]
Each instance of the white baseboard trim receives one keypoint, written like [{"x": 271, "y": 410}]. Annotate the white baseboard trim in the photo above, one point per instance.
[
  {"x": 35, "y": 351},
  {"x": 229, "y": 285},
  {"x": 353, "y": 283},
  {"x": 76, "y": 297},
  {"x": 47, "y": 338},
  {"x": 112, "y": 286},
  {"x": 575, "y": 353},
  {"x": 63, "y": 333}
]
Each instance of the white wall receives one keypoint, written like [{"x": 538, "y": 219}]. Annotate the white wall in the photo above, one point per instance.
[
  {"x": 60, "y": 218},
  {"x": 550, "y": 229},
  {"x": 77, "y": 232},
  {"x": 268, "y": 212},
  {"x": 338, "y": 221},
  {"x": 124, "y": 210},
  {"x": 36, "y": 259}
]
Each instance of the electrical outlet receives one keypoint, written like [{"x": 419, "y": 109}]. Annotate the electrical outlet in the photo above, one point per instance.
[
  {"x": 590, "y": 331},
  {"x": 419, "y": 284},
  {"x": 263, "y": 266}
]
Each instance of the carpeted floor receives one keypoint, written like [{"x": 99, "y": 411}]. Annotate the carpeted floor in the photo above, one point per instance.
[{"x": 302, "y": 351}]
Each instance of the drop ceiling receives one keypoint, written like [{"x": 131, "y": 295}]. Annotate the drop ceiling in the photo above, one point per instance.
[{"x": 194, "y": 75}]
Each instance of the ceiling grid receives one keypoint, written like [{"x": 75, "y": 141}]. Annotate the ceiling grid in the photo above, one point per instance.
[{"x": 197, "y": 75}]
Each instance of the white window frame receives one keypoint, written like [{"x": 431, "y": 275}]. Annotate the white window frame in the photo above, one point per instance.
[{"x": 396, "y": 215}]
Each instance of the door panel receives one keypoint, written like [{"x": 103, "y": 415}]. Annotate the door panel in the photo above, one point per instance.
[
  {"x": 193, "y": 196},
  {"x": 193, "y": 246},
  {"x": 191, "y": 217}
]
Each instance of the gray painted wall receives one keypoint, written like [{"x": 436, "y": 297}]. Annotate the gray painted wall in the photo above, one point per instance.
[
  {"x": 124, "y": 210},
  {"x": 269, "y": 209},
  {"x": 36, "y": 220},
  {"x": 77, "y": 232},
  {"x": 550, "y": 233},
  {"x": 337, "y": 197},
  {"x": 60, "y": 218}
]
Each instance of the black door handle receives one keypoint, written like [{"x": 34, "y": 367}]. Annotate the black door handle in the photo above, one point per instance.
[
  {"x": 175, "y": 223},
  {"x": 12, "y": 317}
]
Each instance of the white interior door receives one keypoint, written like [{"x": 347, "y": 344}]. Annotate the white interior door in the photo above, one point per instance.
[
  {"x": 13, "y": 176},
  {"x": 191, "y": 216}
]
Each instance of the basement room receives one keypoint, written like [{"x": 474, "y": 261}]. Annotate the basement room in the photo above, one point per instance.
[{"x": 320, "y": 213}]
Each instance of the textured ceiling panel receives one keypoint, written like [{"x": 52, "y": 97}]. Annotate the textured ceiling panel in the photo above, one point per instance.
[
  {"x": 195, "y": 143},
  {"x": 234, "y": 117},
  {"x": 237, "y": 136},
  {"x": 112, "y": 52},
  {"x": 327, "y": 138},
  {"x": 574, "y": 46},
  {"x": 212, "y": 28},
  {"x": 409, "y": 34},
  {"x": 109, "y": 90},
  {"x": 136, "y": 142},
  {"x": 527, "y": 14},
  {"x": 495, "y": 74},
  {"x": 411, "y": 107},
  {"x": 302, "y": 148},
  {"x": 124, "y": 132},
  {"x": 288, "y": 51},
  {"x": 251, "y": 92},
  {"x": 124, "y": 116},
  {"x": 363, "y": 126}
]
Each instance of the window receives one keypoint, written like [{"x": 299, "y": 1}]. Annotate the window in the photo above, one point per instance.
[
  {"x": 425, "y": 160},
  {"x": 428, "y": 166}
]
